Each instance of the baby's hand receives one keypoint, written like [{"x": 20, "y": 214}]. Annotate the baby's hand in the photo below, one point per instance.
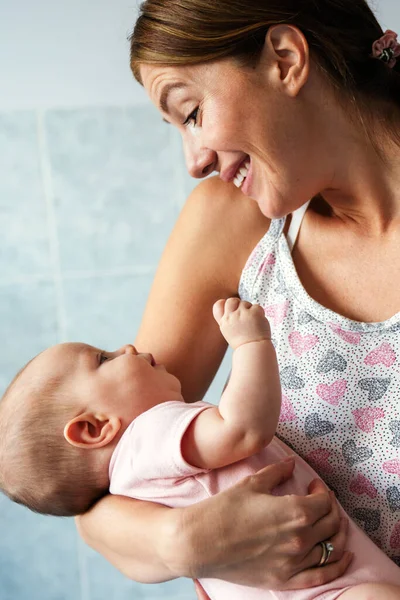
[{"x": 241, "y": 322}]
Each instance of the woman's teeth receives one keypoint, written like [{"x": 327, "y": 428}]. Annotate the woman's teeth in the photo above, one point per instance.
[{"x": 241, "y": 174}]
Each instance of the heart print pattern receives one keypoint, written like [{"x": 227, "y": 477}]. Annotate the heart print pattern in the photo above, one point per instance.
[{"x": 341, "y": 389}]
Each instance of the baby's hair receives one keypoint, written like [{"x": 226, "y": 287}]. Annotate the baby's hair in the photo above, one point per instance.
[{"x": 38, "y": 467}]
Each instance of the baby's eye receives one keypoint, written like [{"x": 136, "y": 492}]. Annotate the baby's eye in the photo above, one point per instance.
[{"x": 102, "y": 358}]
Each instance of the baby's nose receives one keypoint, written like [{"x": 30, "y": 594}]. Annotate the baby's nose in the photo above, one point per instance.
[
  {"x": 129, "y": 349},
  {"x": 149, "y": 357}
]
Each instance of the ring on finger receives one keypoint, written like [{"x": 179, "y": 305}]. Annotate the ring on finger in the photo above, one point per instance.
[{"x": 327, "y": 549}]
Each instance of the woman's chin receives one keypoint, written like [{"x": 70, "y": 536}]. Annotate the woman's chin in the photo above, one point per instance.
[{"x": 272, "y": 208}]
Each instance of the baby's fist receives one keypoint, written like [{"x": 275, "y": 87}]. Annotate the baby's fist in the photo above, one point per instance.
[{"x": 241, "y": 322}]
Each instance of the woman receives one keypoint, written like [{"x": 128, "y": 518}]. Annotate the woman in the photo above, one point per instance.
[{"x": 289, "y": 100}]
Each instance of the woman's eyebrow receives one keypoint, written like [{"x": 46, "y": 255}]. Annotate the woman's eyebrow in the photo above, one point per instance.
[{"x": 165, "y": 93}]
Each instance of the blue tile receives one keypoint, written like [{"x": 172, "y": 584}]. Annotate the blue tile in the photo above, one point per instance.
[
  {"x": 23, "y": 216},
  {"x": 38, "y": 556},
  {"x": 179, "y": 589},
  {"x": 105, "y": 311},
  {"x": 215, "y": 390},
  {"x": 185, "y": 183},
  {"x": 106, "y": 582},
  {"x": 119, "y": 178},
  {"x": 114, "y": 184},
  {"x": 28, "y": 325}
]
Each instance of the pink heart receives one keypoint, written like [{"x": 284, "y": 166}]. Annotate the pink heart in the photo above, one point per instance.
[
  {"x": 348, "y": 336},
  {"x": 319, "y": 459},
  {"x": 392, "y": 466},
  {"x": 383, "y": 354},
  {"x": 268, "y": 262},
  {"x": 395, "y": 537},
  {"x": 302, "y": 343},
  {"x": 277, "y": 312},
  {"x": 361, "y": 485},
  {"x": 287, "y": 410},
  {"x": 365, "y": 417},
  {"x": 252, "y": 258},
  {"x": 332, "y": 393}
]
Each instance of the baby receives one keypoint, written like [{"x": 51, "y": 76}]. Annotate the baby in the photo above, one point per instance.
[{"x": 78, "y": 422}]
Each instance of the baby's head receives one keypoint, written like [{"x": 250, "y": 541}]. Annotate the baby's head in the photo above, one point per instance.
[{"x": 62, "y": 416}]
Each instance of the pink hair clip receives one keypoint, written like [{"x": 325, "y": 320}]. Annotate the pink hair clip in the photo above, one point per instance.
[{"x": 387, "y": 48}]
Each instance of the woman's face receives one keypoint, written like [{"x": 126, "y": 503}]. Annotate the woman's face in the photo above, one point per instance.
[{"x": 242, "y": 123}]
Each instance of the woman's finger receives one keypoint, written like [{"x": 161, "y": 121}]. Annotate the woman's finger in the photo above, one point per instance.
[
  {"x": 270, "y": 477},
  {"x": 317, "y": 486},
  {"x": 323, "y": 503},
  {"x": 338, "y": 542},
  {"x": 320, "y": 575},
  {"x": 329, "y": 525},
  {"x": 201, "y": 595},
  {"x": 322, "y": 516}
]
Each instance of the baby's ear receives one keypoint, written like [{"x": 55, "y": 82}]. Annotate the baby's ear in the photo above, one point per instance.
[{"x": 91, "y": 431}]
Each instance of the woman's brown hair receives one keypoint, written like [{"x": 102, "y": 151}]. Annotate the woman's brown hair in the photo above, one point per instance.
[{"x": 340, "y": 34}]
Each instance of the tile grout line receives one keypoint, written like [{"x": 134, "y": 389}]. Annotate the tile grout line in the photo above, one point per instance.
[
  {"x": 76, "y": 275},
  {"x": 83, "y": 574},
  {"x": 54, "y": 247},
  {"x": 48, "y": 190}
]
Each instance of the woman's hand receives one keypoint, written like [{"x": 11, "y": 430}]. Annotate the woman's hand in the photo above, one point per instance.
[
  {"x": 243, "y": 535},
  {"x": 267, "y": 541}
]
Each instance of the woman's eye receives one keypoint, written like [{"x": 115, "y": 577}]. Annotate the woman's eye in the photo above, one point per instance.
[{"x": 192, "y": 118}]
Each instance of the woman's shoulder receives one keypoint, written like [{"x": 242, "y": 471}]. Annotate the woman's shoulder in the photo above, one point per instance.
[
  {"x": 220, "y": 211},
  {"x": 221, "y": 196},
  {"x": 222, "y": 226}
]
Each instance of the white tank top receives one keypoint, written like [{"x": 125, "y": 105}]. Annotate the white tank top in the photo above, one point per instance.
[{"x": 340, "y": 387}]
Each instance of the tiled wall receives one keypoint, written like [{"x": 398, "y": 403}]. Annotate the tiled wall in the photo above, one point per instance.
[{"x": 87, "y": 201}]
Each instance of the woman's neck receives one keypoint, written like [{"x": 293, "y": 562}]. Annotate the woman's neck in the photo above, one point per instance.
[{"x": 362, "y": 183}]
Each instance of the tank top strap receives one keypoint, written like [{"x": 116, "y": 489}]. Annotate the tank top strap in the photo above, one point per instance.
[{"x": 295, "y": 224}]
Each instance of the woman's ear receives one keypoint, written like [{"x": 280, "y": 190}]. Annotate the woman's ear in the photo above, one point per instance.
[
  {"x": 91, "y": 431},
  {"x": 287, "y": 51}
]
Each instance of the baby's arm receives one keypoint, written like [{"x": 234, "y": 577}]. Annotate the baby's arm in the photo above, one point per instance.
[{"x": 246, "y": 418}]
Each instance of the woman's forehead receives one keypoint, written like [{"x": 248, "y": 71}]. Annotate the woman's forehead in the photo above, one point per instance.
[
  {"x": 202, "y": 76},
  {"x": 155, "y": 75},
  {"x": 162, "y": 81}
]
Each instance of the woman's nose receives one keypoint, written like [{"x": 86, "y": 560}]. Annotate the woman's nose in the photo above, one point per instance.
[{"x": 200, "y": 162}]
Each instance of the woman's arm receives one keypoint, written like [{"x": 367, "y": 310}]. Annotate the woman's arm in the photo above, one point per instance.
[
  {"x": 216, "y": 231},
  {"x": 274, "y": 543},
  {"x": 136, "y": 537},
  {"x": 202, "y": 262}
]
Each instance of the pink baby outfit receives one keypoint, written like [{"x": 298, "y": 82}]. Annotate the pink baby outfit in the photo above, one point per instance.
[
  {"x": 341, "y": 388},
  {"x": 148, "y": 464}
]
